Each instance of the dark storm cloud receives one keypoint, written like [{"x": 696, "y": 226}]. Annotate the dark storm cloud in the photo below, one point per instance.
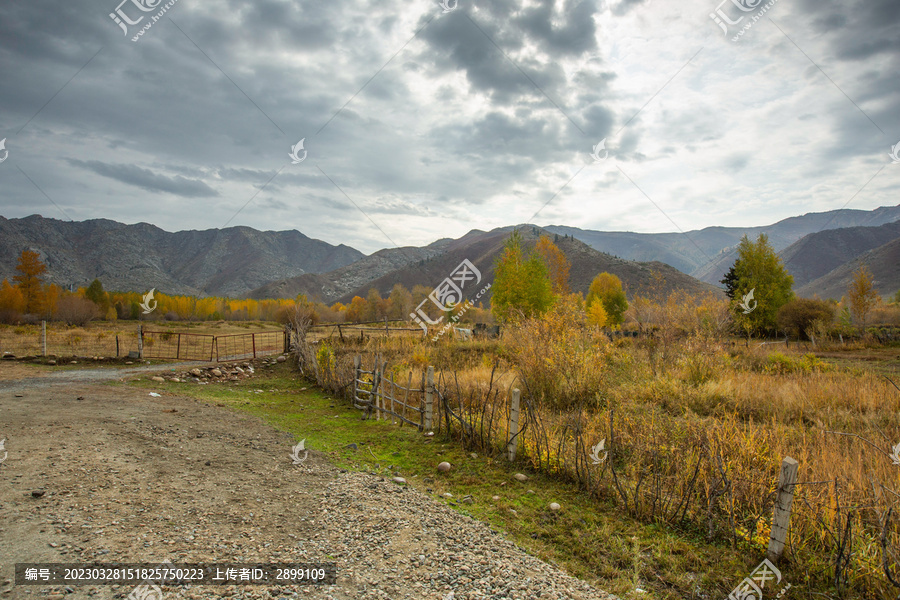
[{"x": 148, "y": 180}]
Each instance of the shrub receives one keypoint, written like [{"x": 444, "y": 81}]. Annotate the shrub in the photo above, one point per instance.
[
  {"x": 780, "y": 364},
  {"x": 800, "y": 317},
  {"x": 74, "y": 310}
]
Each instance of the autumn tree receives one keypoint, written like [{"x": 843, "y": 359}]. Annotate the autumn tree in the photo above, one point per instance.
[
  {"x": 862, "y": 295},
  {"x": 521, "y": 282},
  {"x": 29, "y": 279},
  {"x": 801, "y": 315},
  {"x": 98, "y": 296},
  {"x": 758, "y": 269},
  {"x": 12, "y": 304},
  {"x": 356, "y": 312},
  {"x": 606, "y": 288},
  {"x": 401, "y": 302},
  {"x": 556, "y": 262},
  {"x": 596, "y": 314}
]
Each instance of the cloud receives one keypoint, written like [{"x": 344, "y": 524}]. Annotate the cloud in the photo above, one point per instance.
[{"x": 146, "y": 179}]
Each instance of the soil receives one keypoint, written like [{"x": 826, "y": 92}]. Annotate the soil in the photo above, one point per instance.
[{"x": 100, "y": 473}]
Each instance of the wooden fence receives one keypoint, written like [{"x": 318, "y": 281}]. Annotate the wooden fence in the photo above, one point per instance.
[{"x": 423, "y": 405}]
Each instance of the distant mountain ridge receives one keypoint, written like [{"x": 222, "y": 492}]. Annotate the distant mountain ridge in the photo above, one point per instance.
[
  {"x": 214, "y": 262},
  {"x": 708, "y": 253},
  {"x": 484, "y": 248}
]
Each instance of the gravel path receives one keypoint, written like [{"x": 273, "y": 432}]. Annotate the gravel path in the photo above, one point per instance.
[{"x": 131, "y": 478}]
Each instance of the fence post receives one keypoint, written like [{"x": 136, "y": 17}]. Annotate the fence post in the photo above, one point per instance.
[
  {"x": 782, "y": 516},
  {"x": 513, "y": 425},
  {"x": 140, "y": 341},
  {"x": 356, "y": 361},
  {"x": 253, "y": 341},
  {"x": 429, "y": 398},
  {"x": 43, "y": 338},
  {"x": 178, "y": 348}
]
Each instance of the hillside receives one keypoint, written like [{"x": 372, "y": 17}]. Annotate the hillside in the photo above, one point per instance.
[
  {"x": 883, "y": 262},
  {"x": 214, "y": 262},
  {"x": 708, "y": 253},
  {"x": 328, "y": 287},
  {"x": 816, "y": 254},
  {"x": 484, "y": 248}
]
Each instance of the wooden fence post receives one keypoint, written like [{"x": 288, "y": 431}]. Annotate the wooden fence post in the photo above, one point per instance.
[
  {"x": 44, "y": 338},
  {"x": 429, "y": 398},
  {"x": 782, "y": 516},
  {"x": 140, "y": 341},
  {"x": 513, "y": 443},
  {"x": 356, "y": 360}
]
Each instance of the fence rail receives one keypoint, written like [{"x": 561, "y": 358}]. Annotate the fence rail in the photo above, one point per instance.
[{"x": 137, "y": 342}]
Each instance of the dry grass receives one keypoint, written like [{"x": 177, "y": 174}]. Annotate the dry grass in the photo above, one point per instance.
[{"x": 696, "y": 426}]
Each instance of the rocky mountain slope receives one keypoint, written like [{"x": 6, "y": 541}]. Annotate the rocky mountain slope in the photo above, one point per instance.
[
  {"x": 816, "y": 254},
  {"x": 708, "y": 253},
  {"x": 215, "y": 262},
  {"x": 483, "y": 248},
  {"x": 883, "y": 262}
]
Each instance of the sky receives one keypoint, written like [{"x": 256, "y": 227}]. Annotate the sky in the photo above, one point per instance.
[{"x": 422, "y": 121}]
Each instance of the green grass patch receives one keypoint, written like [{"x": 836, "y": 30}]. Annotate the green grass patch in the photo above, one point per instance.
[{"x": 588, "y": 538}]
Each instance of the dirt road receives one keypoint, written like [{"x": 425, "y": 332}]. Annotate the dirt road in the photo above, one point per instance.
[{"x": 108, "y": 473}]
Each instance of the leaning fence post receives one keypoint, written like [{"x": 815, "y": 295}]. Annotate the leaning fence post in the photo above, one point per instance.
[
  {"x": 429, "y": 398},
  {"x": 782, "y": 516},
  {"x": 43, "y": 338},
  {"x": 513, "y": 425}
]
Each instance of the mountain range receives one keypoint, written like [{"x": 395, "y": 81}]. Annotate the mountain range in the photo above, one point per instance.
[{"x": 821, "y": 250}]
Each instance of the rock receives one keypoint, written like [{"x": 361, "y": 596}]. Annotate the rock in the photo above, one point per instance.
[
  {"x": 473, "y": 455},
  {"x": 554, "y": 506},
  {"x": 429, "y": 434},
  {"x": 158, "y": 379},
  {"x": 217, "y": 372},
  {"x": 468, "y": 500},
  {"x": 443, "y": 467},
  {"x": 51, "y": 362},
  {"x": 530, "y": 492},
  {"x": 207, "y": 463},
  {"x": 495, "y": 498},
  {"x": 520, "y": 477},
  {"x": 513, "y": 511},
  {"x": 399, "y": 480},
  {"x": 37, "y": 493},
  {"x": 351, "y": 446},
  {"x": 196, "y": 372},
  {"x": 446, "y": 495},
  {"x": 281, "y": 359}
]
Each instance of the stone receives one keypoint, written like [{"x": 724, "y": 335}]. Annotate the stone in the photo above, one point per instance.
[
  {"x": 351, "y": 446},
  {"x": 217, "y": 372},
  {"x": 443, "y": 467},
  {"x": 51, "y": 362},
  {"x": 520, "y": 477},
  {"x": 495, "y": 498},
  {"x": 447, "y": 495},
  {"x": 37, "y": 493},
  {"x": 281, "y": 359},
  {"x": 196, "y": 372},
  {"x": 399, "y": 480},
  {"x": 554, "y": 506},
  {"x": 158, "y": 379},
  {"x": 468, "y": 500}
]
